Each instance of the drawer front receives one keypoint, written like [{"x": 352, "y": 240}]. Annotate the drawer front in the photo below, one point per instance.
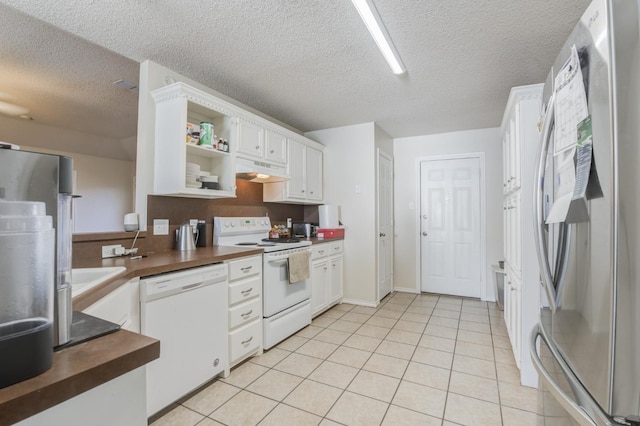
[
  {"x": 245, "y": 313},
  {"x": 245, "y": 290},
  {"x": 336, "y": 247},
  {"x": 245, "y": 267},
  {"x": 320, "y": 250},
  {"x": 245, "y": 340}
]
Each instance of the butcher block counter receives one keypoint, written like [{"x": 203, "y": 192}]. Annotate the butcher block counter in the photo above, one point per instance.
[{"x": 87, "y": 365}]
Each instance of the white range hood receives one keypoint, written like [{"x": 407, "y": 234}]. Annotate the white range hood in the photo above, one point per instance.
[{"x": 259, "y": 171}]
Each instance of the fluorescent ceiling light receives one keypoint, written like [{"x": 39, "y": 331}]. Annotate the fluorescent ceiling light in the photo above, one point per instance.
[
  {"x": 12, "y": 110},
  {"x": 371, "y": 18}
]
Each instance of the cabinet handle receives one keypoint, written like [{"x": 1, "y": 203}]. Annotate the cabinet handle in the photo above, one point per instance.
[
  {"x": 245, "y": 292},
  {"x": 320, "y": 251},
  {"x": 382, "y": 234},
  {"x": 246, "y": 314},
  {"x": 272, "y": 151},
  {"x": 303, "y": 190},
  {"x": 325, "y": 268},
  {"x": 246, "y": 268},
  {"x": 247, "y": 341},
  {"x": 311, "y": 192},
  {"x": 257, "y": 146}
]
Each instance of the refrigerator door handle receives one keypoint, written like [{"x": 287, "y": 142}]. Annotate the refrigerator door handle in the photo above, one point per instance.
[
  {"x": 577, "y": 412},
  {"x": 541, "y": 246}
]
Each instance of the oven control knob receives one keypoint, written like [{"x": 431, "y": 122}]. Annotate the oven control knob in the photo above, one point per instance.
[
  {"x": 233, "y": 224},
  {"x": 226, "y": 224}
]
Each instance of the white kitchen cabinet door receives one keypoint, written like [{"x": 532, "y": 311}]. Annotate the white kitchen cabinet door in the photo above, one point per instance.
[
  {"x": 275, "y": 147},
  {"x": 250, "y": 139},
  {"x": 336, "y": 279},
  {"x": 313, "y": 173},
  {"x": 319, "y": 281},
  {"x": 295, "y": 186}
]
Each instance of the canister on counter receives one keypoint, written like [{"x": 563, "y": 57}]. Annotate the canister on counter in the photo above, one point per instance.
[{"x": 206, "y": 134}]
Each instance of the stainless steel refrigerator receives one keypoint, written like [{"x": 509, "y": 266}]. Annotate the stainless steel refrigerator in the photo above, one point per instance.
[{"x": 586, "y": 347}]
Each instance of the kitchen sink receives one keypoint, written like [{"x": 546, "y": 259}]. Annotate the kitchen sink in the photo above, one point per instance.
[{"x": 83, "y": 279}]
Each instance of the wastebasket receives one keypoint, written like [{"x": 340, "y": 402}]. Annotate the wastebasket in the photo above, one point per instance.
[{"x": 498, "y": 285}]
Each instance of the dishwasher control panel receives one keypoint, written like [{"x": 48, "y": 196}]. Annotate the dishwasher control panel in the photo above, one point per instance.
[{"x": 177, "y": 282}]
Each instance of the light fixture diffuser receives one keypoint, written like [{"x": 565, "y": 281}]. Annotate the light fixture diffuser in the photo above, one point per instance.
[
  {"x": 372, "y": 20},
  {"x": 12, "y": 110}
]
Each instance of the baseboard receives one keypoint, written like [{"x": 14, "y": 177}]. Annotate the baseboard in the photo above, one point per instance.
[
  {"x": 360, "y": 302},
  {"x": 406, "y": 290}
]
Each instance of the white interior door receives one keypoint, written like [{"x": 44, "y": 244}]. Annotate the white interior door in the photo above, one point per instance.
[
  {"x": 450, "y": 213},
  {"x": 385, "y": 224}
]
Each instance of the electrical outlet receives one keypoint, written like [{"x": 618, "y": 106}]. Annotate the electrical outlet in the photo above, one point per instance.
[
  {"x": 160, "y": 226},
  {"x": 110, "y": 251}
]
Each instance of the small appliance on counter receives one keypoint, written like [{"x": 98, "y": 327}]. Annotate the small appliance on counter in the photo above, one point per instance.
[
  {"x": 46, "y": 178},
  {"x": 27, "y": 248},
  {"x": 303, "y": 229}
]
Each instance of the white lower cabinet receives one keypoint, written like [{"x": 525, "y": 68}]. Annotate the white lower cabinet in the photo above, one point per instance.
[
  {"x": 326, "y": 275},
  {"x": 121, "y": 306},
  {"x": 512, "y": 310},
  {"x": 245, "y": 308}
]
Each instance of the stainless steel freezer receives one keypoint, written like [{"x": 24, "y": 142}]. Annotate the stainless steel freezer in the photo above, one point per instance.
[{"x": 588, "y": 221}]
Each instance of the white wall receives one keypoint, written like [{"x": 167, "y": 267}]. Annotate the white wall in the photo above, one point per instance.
[
  {"x": 406, "y": 152},
  {"x": 349, "y": 163},
  {"x": 106, "y": 186}
]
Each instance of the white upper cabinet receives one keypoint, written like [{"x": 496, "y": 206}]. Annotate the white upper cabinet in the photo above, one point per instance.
[
  {"x": 259, "y": 143},
  {"x": 250, "y": 140},
  {"x": 275, "y": 147},
  {"x": 304, "y": 167},
  {"x": 249, "y": 137},
  {"x": 177, "y": 105},
  {"x": 314, "y": 174}
]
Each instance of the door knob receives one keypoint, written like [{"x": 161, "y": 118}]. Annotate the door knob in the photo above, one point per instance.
[
  {"x": 424, "y": 234},
  {"x": 424, "y": 216}
]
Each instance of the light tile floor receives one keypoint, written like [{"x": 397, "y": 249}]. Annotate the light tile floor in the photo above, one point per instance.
[{"x": 415, "y": 360}]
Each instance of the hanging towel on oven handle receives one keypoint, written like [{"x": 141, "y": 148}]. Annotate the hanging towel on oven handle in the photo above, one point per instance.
[{"x": 298, "y": 266}]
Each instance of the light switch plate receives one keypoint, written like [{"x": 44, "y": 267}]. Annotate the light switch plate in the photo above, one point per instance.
[{"x": 160, "y": 226}]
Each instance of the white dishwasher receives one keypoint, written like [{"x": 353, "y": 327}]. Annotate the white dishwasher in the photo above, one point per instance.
[{"x": 187, "y": 312}]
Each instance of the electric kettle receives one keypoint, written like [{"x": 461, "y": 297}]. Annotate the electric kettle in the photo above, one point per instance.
[{"x": 186, "y": 237}]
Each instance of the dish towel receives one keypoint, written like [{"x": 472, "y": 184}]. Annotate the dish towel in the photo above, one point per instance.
[{"x": 298, "y": 266}]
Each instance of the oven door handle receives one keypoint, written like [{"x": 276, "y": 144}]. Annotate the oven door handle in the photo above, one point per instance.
[{"x": 279, "y": 260}]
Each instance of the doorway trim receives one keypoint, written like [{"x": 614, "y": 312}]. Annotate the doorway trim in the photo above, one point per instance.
[{"x": 483, "y": 219}]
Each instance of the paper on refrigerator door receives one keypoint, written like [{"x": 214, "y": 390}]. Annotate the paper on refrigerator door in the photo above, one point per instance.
[
  {"x": 564, "y": 184},
  {"x": 571, "y": 103}
]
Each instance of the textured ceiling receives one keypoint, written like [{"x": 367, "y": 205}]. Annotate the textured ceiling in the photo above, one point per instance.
[{"x": 308, "y": 63}]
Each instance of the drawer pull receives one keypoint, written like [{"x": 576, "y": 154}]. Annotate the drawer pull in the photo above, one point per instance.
[
  {"x": 247, "y": 341},
  {"x": 247, "y": 291},
  {"x": 246, "y": 268},
  {"x": 246, "y": 314},
  {"x": 321, "y": 251}
]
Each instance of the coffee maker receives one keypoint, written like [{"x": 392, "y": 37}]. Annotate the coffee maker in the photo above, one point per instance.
[{"x": 35, "y": 177}]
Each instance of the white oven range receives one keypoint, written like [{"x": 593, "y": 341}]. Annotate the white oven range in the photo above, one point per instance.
[{"x": 286, "y": 307}]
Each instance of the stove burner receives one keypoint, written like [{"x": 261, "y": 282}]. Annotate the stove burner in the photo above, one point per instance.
[{"x": 281, "y": 240}]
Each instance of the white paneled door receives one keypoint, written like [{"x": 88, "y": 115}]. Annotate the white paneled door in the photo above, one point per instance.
[
  {"x": 385, "y": 224},
  {"x": 450, "y": 217}
]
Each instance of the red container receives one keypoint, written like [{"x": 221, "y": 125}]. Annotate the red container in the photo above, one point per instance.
[{"x": 331, "y": 232}]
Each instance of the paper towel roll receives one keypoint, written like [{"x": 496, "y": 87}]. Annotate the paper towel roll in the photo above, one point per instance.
[{"x": 328, "y": 215}]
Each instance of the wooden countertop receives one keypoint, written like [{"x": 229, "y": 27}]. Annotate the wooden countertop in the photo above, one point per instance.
[
  {"x": 76, "y": 370},
  {"x": 153, "y": 264},
  {"x": 79, "y": 368}
]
